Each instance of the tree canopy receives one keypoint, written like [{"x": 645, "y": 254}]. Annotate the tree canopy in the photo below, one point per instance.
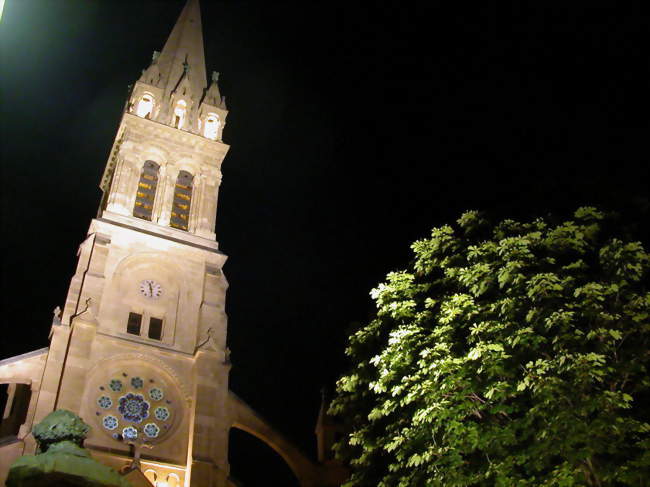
[{"x": 513, "y": 354}]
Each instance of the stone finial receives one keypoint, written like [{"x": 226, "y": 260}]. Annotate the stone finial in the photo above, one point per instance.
[
  {"x": 227, "y": 356},
  {"x": 215, "y": 76},
  {"x": 56, "y": 318},
  {"x": 155, "y": 56}
]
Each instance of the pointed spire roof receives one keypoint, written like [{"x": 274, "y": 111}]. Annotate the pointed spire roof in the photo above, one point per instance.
[{"x": 183, "y": 52}]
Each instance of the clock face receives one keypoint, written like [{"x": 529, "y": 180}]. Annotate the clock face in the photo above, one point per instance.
[{"x": 150, "y": 289}]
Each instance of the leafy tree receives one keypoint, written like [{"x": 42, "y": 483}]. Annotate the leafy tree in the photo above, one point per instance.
[{"x": 509, "y": 355}]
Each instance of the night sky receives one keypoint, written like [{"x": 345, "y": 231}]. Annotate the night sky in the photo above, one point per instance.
[{"x": 353, "y": 130}]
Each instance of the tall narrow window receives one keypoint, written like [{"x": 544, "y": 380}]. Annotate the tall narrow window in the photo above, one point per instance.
[
  {"x": 145, "y": 106},
  {"x": 134, "y": 324},
  {"x": 16, "y": 404},
  {"x": 182, "y": 200},
  {"x": 146, "y": 191},
  {"x": 212, "y": 125},
  {"x": 155, "y": 328},
  {"x": 179, "y": 114}
]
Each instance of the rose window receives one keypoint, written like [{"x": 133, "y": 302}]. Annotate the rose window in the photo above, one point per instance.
[{"x": 135, "y": 407}]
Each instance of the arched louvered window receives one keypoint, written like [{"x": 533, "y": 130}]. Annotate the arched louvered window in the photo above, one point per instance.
[
  {"x": 182, "y": 200},
  {"x": 146, "y": 191}
]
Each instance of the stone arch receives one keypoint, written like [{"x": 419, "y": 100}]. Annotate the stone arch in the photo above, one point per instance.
[
  {"x": 243, "y": 447},
  {"x": 243, "y": 417},
  {"x": 133, "y": 263},
  {"x": 186, "y": 161},
  {"x": 154, "y": 152}
]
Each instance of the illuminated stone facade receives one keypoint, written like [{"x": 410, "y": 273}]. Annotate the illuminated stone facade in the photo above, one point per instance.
[{"x": 139, "y": 349}]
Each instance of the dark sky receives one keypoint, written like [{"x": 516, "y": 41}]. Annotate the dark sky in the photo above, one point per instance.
[{"x": 354, "y": 129}]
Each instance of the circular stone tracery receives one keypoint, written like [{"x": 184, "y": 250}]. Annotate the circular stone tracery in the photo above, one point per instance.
[
  {"x": 104, "y": 402},
  {"x": 133, "y": 407},
  {"x": 151, "y": 430},
  {"x": 126, "y": 410},
  {"x": 161, "y": 413},
  {"x": 130, "y": 433},
  {"x": 156, "y": 394},
  {"x": 110, "y": 422}
]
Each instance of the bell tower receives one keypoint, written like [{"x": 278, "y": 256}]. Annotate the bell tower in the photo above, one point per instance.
[{"x": 140, "y": 351}]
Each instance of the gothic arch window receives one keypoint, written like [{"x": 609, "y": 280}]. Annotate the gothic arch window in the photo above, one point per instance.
[
  {"x": 211, "y": 128},
  {"x": 145, "y": 106},
  {"x": 146, "y": 192},
  {"x": 180, "y": 111},
  {"x": 182, "y": 199}
]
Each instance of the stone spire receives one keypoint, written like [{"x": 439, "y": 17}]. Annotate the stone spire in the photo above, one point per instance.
[{"x": 183, "y": 52}]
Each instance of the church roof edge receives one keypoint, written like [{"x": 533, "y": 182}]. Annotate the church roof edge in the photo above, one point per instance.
[{"x": 23, "y": 356}]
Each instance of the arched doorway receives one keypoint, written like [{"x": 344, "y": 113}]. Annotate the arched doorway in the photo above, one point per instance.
[{"x": 255, "y": 464}]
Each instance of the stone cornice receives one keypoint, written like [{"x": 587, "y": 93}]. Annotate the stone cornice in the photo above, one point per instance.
[
  {"x": 211, "y": 151},
  {"x": 24, "y": 356}
]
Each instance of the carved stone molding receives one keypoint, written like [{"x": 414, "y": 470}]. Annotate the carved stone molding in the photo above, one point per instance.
[{"x": 152, "y": 361}]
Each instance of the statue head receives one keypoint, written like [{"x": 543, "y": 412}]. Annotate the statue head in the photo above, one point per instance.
[{"x": 60, "y": 425}]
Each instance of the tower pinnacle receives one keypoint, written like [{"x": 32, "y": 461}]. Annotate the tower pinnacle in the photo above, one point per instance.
[{"x": 183, "y": 52}]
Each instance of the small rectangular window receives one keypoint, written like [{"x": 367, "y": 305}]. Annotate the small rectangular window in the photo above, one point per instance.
[
  {"x": 134, "y": 324},
  {"x": 155, "y": 328}
]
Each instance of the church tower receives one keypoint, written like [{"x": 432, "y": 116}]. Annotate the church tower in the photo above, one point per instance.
[
  {"x": 139, "y": 349},
  {"x": 144, "y": 323}
]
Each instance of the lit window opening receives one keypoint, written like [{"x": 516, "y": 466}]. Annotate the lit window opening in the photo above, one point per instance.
[
  {"x": 212, "y": 124},
  {"x": 179, "y": 114},
  {"x": 146, "y": 192},
  {"x": 182, "y": 201},
  {"x": 145, "y": 106}
]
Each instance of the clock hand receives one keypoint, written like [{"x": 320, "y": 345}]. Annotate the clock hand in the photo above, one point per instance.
[{"x": 150, "y": 288}]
